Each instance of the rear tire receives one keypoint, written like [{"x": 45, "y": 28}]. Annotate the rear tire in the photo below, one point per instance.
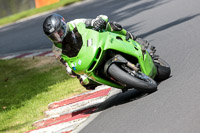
[
  {"x": 163, "y": 69},
  {"x": 131, "y": 81}
]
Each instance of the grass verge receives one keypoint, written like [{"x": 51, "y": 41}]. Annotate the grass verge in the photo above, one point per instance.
[
  {"x": 15, "y": 17},
  {"x": 27, "y": 86}
]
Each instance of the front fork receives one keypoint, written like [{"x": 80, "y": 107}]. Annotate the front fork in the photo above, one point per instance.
[{"x": 118, "y": 59}]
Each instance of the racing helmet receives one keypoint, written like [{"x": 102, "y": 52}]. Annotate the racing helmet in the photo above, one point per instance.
[{"x": 54, "y": 26}]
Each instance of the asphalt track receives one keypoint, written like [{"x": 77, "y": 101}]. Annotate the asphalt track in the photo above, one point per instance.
[{"x": 173, "y": 27}]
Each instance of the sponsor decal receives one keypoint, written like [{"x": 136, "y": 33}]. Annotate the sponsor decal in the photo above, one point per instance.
[
  {"x": 135, "y": 44},
  {"x": 73, "y": 66},
  {"x": 79, "y": 62}
]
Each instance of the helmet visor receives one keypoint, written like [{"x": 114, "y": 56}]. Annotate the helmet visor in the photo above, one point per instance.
[{"x": 59, "y": 34}]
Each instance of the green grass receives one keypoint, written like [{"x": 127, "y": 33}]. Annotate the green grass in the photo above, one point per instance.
[
  {"x": 15, "y": 17},
  {"x": 27, "y": 86}
]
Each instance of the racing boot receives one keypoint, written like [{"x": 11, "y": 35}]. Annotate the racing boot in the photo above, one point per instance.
[
  {"x": 152, "y": 52},
  {"x": 87, "y": 83}
]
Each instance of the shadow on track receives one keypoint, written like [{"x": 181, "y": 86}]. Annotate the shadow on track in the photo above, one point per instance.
[
  {"x": 121, "y": 98},
  {"x": 116, "y": 10},
  {"x": 169, "y": 25}
]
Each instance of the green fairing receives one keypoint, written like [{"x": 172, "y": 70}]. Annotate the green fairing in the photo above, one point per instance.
[
  {"x": 71, "y": 27},
  {"x": 59, "y": 45},
  {"x": 106, "y": 41}
]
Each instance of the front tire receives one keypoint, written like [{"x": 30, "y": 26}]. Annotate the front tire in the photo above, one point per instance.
[{"x": 132, "y": 81}]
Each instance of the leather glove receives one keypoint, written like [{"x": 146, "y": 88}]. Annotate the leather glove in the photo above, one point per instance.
[
  {"x": 129, "y": 35},
  {"x": 115, "y": 26},
  {"x": 99, "y": 24}
]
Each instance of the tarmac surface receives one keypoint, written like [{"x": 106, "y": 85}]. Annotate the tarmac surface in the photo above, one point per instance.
[{"x": 173, "y": 27}]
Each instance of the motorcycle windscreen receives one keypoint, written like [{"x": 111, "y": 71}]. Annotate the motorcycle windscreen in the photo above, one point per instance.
[{"x": 72, "y": 43}]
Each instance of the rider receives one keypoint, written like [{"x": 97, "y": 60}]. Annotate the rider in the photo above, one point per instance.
[{"x": 58, "y": 31}]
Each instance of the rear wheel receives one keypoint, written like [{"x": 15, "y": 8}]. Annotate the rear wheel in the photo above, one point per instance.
[
  {"x": 132, "y": 79},
  {"x": 163, "y": 69}
]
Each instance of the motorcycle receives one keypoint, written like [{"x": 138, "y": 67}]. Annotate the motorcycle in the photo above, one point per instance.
[{"x": 108, "y": 58}]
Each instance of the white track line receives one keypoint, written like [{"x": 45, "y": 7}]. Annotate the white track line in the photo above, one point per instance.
[
  {"x": 58, "y": 128},
  {"x": 75, "y": 106},
  {"x": 33, "y": 54},
  {"x": 101, "y": 87},
  {"x": 9, "y": 57}
]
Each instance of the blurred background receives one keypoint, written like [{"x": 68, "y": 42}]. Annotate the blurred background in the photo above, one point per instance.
[
  {"x": 9, "y": 7},
  {"x": 171, "y": 25}
]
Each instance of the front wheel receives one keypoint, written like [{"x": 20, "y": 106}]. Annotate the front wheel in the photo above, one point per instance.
[{"x": 137, "y": 80}]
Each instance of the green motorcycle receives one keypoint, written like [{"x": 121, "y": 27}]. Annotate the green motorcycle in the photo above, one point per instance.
[{"x": 108, "y": 58}]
